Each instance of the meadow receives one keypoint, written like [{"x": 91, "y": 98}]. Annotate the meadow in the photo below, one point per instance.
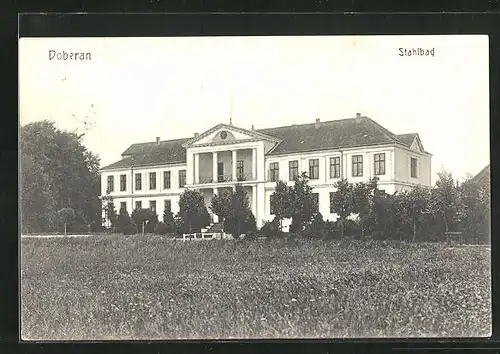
[{"x": 149, "y": 287}]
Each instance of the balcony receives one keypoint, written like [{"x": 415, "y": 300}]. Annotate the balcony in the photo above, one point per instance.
[{"x": 227, "y": 178}]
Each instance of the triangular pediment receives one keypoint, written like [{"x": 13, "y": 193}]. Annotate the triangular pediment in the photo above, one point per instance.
[
  {"x": 227, "y": 134},
  {"x": 417, "y": 144}
]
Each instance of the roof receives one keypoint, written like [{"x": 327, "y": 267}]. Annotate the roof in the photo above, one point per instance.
[
  {"x": 335, "y": 134},
  {"x": 483, "y": 177},
  {"x": 407, "y": 139},
  {"x": 149, "y": 154}
]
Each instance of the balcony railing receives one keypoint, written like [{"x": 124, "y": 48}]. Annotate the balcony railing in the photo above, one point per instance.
[
  {"x": 245, "y": 177},
  {"x": 226, "y": 178}
]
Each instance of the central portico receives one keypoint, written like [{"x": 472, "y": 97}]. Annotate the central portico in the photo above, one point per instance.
[{"x": 225, "y": 156}]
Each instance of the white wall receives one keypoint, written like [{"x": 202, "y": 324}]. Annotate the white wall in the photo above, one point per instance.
[
  {"x": 396, "y": 177},
  {"x": 403, "y": 167},
  {"x": 324, "y": 164}
]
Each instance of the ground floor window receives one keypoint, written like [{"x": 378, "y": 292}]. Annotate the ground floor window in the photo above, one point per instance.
[
  {"x": 123, "y": 205},
  {"x": 138, "y": 205},
  {"x": 152, "y": 205}
]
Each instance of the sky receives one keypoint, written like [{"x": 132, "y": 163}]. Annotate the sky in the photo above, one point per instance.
[{"x": 135, "y": 89}]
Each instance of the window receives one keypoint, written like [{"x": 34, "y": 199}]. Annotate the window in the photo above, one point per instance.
[
  {"x": 314, "y": 169},
  {"x": 220, "y": 171},
  {"x": 138, "y": 205},
  {"x": 182, "y": 178},
  {"x": 357, "y": 166},
  {"x": 293, "y": 169},
  {"x": 166, "y": 179},
  {"x": 123, "y": 183},
  {"x": 111, "y": 184},
  {"x": 271, "y": 203},
  {"x": 168, "y": 205},
  {"x": 315, "y": 199},
  {"x": 332, "y": 198},
  {"x": 379, "y": 164},
  {"x": 152, "y": 205},
  {"x": 123, "y": 205},
  {"x": 334, "y": 167},
  {"x": 239, "y": 170},
  {"x": 413, "y": 164},
  {"x": 152, "y": 180},
  {"x": 274, "y": 171},
  {"x": 138, "y": 181}
]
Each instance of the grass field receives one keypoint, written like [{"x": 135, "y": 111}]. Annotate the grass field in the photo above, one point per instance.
[{"x": 135, "y": 287}]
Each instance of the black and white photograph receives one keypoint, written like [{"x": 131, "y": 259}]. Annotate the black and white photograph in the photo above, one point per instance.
[{"x": 254, "y": 187}]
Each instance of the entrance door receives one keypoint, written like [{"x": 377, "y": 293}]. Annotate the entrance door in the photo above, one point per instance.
[{"x": 220, "y": 171}]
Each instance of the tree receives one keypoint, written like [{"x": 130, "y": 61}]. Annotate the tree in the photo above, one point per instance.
[
  {"x": 57, "y": 172},
  {"x": 415, "y": 203},
  {"x": 145, "y": 220},
  {"x": 169, "y": 221},
  {"x": 38, "y": 208},
  {"x": 362, "y": 201},
  {"x": 474, "y": 210},
  {"x": 281, "y": 199},
  {"x": 444, "y": 198},
  {"x": 66, "y": 215},
  {"x": 317, "y": 227},
  {"x": 342, "y": 202},
  {"x": 302, "y": 204},
  {"x": 240, "y": 219},
  {"x": 192, "y": 211},
  {"x": 123, "y": 221},
  {"x": 110, "y": 212},
  {"x": 221, "y": 204}
]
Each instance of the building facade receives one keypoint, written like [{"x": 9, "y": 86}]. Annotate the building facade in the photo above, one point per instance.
[{"x": 153, "y": 175}]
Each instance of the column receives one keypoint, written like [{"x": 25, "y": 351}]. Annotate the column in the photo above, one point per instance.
[
  {"x": 196, "y": 168},
  {"x": 254, "y": 163},
  {"x": 261, "y": 172},
  {"x": 216, "y": 218},
  {"x": 214, "y": 167},
  {"x": 235, "y": 157},
  {"x": 254, "y": 201}
]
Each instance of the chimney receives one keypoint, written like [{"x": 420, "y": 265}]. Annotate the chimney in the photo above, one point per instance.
[
  {"x": 316, "y": 125},
  {"x": 253, "y": 128},
  {"x": 157, "y": 140},
  {"x": 196, "y": 134},
  {"x": 358, "y": 115}
]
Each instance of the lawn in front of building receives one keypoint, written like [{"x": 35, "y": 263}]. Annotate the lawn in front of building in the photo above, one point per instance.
[{"x": 150, "y": 287}]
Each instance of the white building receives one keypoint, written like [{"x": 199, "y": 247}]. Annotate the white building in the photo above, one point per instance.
[{"x": 154, "y": 174}]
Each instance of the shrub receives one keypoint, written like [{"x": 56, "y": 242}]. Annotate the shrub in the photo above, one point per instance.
[
  {"x": 316, "y": 228},
  {"x": 130, "y": 229},
  {"x": 122, "y": 221},
  {"x": 146, "y": 216},
  {"x": 169, "y": 221},
  {"x": 162, "y": 229},
  {"x": 269, "y": 229},
  {"x": 250, "y": 236},
  {"x": 331, "y": 230}
]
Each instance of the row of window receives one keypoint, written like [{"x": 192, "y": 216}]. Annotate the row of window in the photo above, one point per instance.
[
  {"x": 152, "y": 181},
  {"x": 315, "y": 202},
  {"x": 152, "y": 205},
  {"x": 335, "y": 167}
]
